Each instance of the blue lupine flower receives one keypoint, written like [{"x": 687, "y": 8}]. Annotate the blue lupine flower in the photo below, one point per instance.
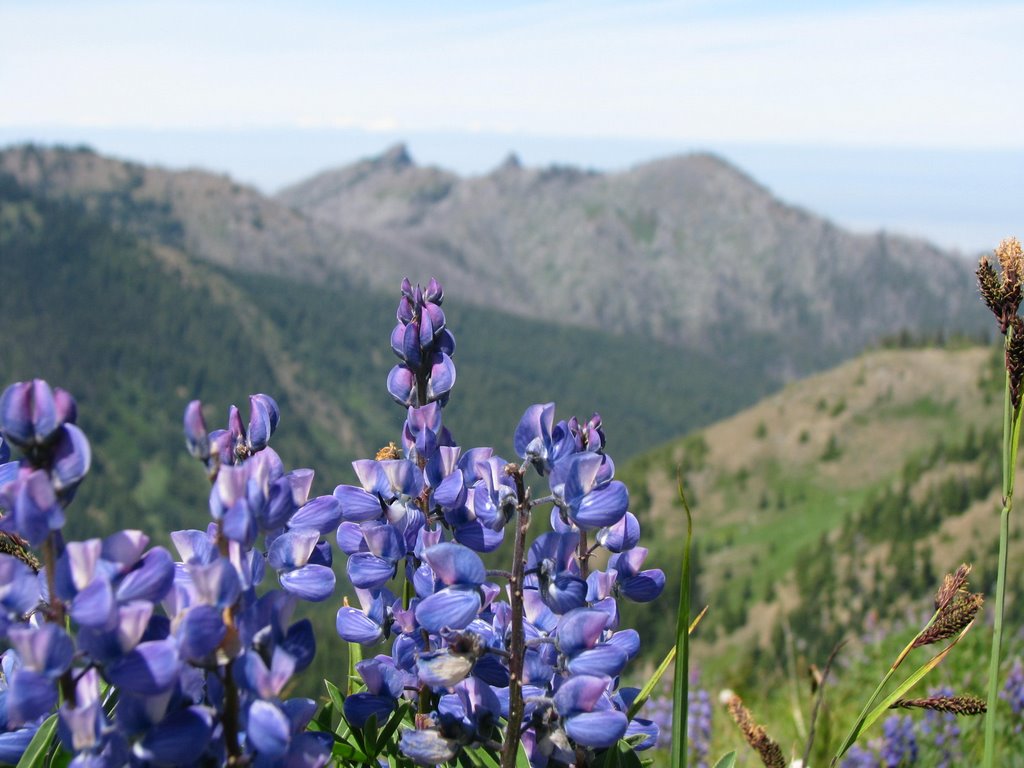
[
  {"x": 639, "y": 586},
  {"x": 1013, "y": 693},
  {"x": 384, "y": 685},
  {"x": 588, "y": 717},
  {"x": 899, "y": 746},
  {"x": 592, "y": 499},
  {"x": 552, "y": 555}
]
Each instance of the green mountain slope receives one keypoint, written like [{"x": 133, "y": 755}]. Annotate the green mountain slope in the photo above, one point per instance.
[{"x": 829, "y": 509}]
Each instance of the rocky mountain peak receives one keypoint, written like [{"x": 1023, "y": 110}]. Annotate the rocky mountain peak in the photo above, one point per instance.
[{"x": 395, "y": 157}]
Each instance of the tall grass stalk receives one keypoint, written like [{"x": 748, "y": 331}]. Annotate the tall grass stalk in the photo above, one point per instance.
[
  {"x": 681, "y": 687},
  {"x": 1011, "y": 440}
]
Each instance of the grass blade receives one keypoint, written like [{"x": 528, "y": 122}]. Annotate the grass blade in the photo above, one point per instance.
[{"x": 680, "y": 690}]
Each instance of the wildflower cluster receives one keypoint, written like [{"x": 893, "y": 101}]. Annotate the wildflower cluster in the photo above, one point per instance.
[
  {"x": 194, "y": 658},
  {"x": 152, "y": 660},
  {"x": 547, "y": 657}
]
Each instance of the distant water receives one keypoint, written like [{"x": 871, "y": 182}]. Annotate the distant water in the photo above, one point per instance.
[{"x": 962, "y": 199}]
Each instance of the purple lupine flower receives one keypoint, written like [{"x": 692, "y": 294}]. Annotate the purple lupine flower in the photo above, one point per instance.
[
  {"x": 588, "y": 717},
  {"x": 31, "y": 413},
  {"x": 461, "y": 573},
  {"x": 639, "y": 586},
  {"x": 899, "y": 746},
  {"x": 859, "y": 757},
  {"x": 1013, "y": 693},
  {"x": 552, "y": 557},
  {"x": 592, "y": 499},
  {"x": 385, "y": 683},
  {"x": 424, "y": 345},
  {"x": 699, "y": 712}
]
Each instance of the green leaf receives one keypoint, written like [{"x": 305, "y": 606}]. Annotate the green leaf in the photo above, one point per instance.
[
  {"x": 522, "y": 759},
  {"x": 324, "y": 717},
  {"x": 355, "y": 655},
  {"x": 397, "y": 718},
  {"x": 370, "y": 736},
  {"x": 335, "y": 695},
  {"x": 727, "y": 760},
  {"x": 342, "y": 750},
  {"x": 482, "y": 757},
  {"x": 628, "y": 757},
  {"x": 35, "y": 752}
]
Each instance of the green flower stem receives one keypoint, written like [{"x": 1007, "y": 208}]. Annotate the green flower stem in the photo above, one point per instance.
[
  {"x": 1011, "y": 440},
  {"x": 680, "y": 688}
]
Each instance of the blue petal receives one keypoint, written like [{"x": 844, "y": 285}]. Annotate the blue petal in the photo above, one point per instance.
[
  {"x": 94, "y": 606},
  {"x": 367, "y": 571},
  {"x": 350, "y": 538},
  {"x": 357, "y": 505},
  {"x": 452, "y": 607},
  {"x": 597, "y": 729},
  {"x": 455, "y": 564},
  {"x": 14, "y": 743},
  {"x": 322, "y": 514},
  {"x": 72, "y": 458},
  {"x": 643, "y": 587},
  {"x": 402, "y": 385},
  {"x": 151, "y": 669},
  {"x": 354, "y": 626},
  {"x": 533, "y": 434},
  {"x": 565, "y": 593},
  {"x": 601, "y": 507},
  {"x": 300, "y": 644},
  {"x": 263, "y": 418},
  {"x": 196, "y": 438},
  {"x": 649, "y": 729},
  {"x": 151, "y": 581},
  {"x": 47, "y": 650},
  {"x": 30, "y": 695},
  {"x": 179, "y": 739},
  {"x": 580, "y": 629},
  {"x": 624, "y": 535},
  {"x": 200, "y": 632},
  {"x": 360, "y": 706},
  {"x": 442, "y": 378},
  {"x": 628, "y": 640},
  {"x": 268, "y": 729},
  {"x": 310, "y": 582},
  {"x": 479, "y": 537},
  {"x": 603, "y": 659},
  {"x": 292, "y": 549}
]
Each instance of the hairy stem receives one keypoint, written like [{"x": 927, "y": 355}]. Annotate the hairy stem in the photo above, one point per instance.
[
  {"x": 67, "y": 682},
  {"x": 517, "y": 643}
]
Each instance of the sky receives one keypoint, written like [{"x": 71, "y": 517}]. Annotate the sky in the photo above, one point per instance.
[{"x": 796, "y": 90}]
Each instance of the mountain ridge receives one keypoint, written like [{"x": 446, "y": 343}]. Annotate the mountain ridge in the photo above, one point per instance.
[{"x": 687, "y": 250}]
